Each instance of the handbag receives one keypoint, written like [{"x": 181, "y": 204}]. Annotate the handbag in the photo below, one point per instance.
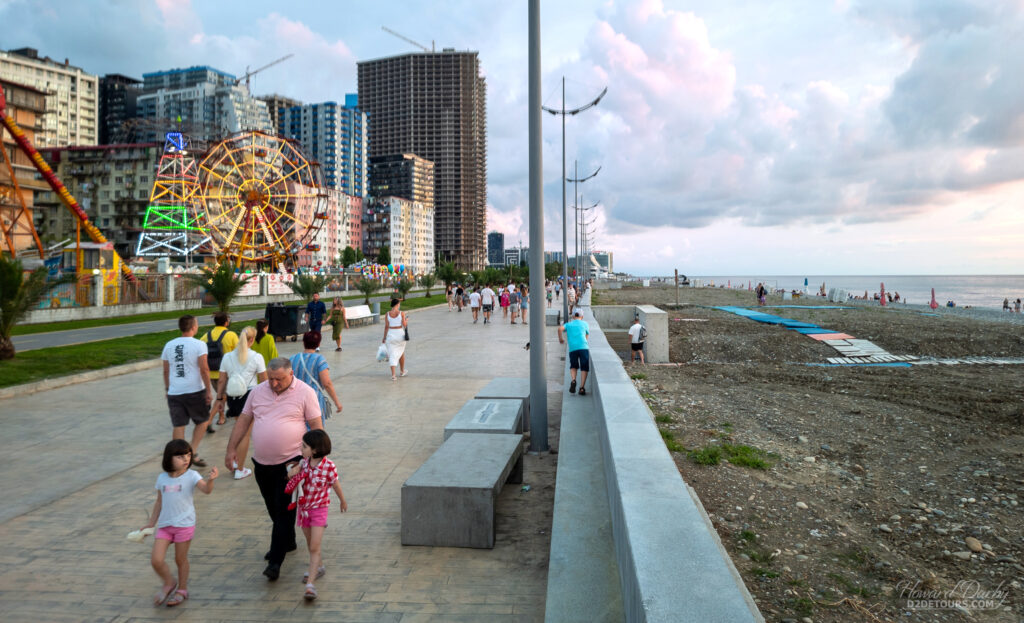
[{"x": 406, "y": 327}]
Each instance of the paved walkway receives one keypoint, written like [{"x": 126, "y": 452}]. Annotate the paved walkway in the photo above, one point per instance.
[{"x": 79, "y": 465}]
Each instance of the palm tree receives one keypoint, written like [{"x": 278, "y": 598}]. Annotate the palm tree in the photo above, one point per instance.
[
  {"x": 428, "y": 281},
  {"x": 308, "y": 285},
  {"x": 220, "y": 282},
  {"x": 18, "y": 294},
  {"x": 367, "y": 287}
]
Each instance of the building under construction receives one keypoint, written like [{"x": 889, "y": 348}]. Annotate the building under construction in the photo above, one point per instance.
[{"x": 433, "y": 104}]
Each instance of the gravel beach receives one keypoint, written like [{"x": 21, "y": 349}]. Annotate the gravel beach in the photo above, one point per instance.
[{"x": 850, "y": 493}]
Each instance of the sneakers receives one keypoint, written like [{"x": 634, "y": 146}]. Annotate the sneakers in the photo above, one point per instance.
[
  {"x": 583, "y": 392},
  {"x": 572, "y": 387},
  {"x": 245, "y": 472}
]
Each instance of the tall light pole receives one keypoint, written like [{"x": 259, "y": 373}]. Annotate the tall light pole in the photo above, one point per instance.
[
  {"x": 576, "y": 181},
  {"x": 565, "y": 250},
  {"x": 538, "y": 373},
  {"x": 579, "y": 228}
]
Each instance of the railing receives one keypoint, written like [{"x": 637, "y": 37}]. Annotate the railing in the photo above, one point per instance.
[
  {"x": 145, "y": 289},
  {"x": 185, "y": 289},
  {"x": 74, "y": 294}
]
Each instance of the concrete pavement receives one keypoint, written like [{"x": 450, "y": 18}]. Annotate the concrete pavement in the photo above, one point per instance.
[{"x": 80, "y": 463}]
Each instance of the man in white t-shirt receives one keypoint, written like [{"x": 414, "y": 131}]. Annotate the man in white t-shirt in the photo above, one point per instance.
[
  {"x": 487, "y": 298},
  {"x": 187, "y": 384},
  {"x": 637, "y": 336},
  {"x": 474, "y": 304}
]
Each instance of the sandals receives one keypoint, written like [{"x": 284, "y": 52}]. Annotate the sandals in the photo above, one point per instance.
[
  {"x": 319, "y": 574},
  {"x": 404, "y": 372},
  {"x": 162, "y": 596},
  {"x": 180, "y": 595},
  {"x": 310, "y": 594}
]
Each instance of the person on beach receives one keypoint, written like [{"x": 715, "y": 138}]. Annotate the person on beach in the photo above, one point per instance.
[
  {"x": 487, "y": 300},
  {"x": 219, "y": 341},
  {"x": 336, "y": 317},
  {"x": 187, "y": 385},
  {"x": 311, "y": 368},
  {"x": 1006, "y": 304},
  {"x": 317, "y": 475},
  {"x": 1016, "y": 306},
  {"x": 278, "y": 411},
  {"x": 637, "y": 337},
  {"x": 174, "y": 517},
  {"x": 396, "y": 327},
  {"x": 315, "y": 312},
  {"x": 474, "y": 304},
  {"x": 575, "y": 332},
  {"x": 241, "y": 371}
]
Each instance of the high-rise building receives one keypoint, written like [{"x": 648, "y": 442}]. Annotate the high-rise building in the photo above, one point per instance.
[
  {"x": 495, "y": 248},
  {"x": 208, "y": 100},
  {"x": 433, "y": 104},
  {"x": 403, "y": 175},
  {"x": 405, "y": 227},
  {"x": 118, "y": 96},
  {"x": 25, "y": 105},
  {"x": 335, "y": 136},
  {"x": 278, "y": 106},
  {"x": 71, "y": 96}
]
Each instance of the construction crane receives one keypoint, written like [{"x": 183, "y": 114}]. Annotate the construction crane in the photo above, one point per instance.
[
  {"x": 408, "y": 40},
  {"x": 249, "y": 74}
]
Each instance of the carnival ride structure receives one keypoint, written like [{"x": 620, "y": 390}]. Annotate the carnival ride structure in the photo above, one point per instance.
[
  {"x": 259, "y": 200},
  {"x": 170, "y": 228}
]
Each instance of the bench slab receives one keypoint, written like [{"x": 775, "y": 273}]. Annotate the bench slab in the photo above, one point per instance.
[
  {"x": 511, "y": 388},
  {"x": 487, "y": 416},
  {"x": 449, "y": 500},
  {"x": 552, "y": 316}
]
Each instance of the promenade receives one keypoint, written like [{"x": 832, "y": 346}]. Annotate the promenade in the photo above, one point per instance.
[{"x": 80, "y": 462}]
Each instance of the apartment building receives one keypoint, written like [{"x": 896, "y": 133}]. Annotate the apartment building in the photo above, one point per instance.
[
  {"x": 72, "y": 108},
  {"x": 278, "y": 107},
  {"x": 118, "y": 97},
  {"x": 405, "y": 227},
  {"x": 336, "y": 136},
  {"x": 403, "y": 175},
  {"x": 433, "y": 104},
  {"x": 495, "y": 249}
]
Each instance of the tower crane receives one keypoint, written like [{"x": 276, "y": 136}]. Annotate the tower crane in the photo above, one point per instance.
[
  {"x": 248, "y": 74},
  {"x": 408, "y": 40}
]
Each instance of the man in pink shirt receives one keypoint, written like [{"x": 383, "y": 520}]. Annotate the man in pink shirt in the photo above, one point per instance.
[{"x": 279, "y": 409}]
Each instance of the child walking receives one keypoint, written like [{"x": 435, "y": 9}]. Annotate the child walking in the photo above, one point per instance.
[
  {"x": 174, "y": 516},
  {"x": 315, "y": 475}
]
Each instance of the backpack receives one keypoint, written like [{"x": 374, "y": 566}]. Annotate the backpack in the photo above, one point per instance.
[
  {"x": 214, "y": 350},
  {"x": 236, "y": 386},
  {"x": 643, "y": 333}
]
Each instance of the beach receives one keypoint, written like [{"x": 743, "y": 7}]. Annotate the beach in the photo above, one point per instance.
[{"x": 876, "y": 480}]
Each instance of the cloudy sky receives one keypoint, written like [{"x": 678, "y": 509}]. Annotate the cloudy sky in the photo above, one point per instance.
[{"x": 774, "y": 137}]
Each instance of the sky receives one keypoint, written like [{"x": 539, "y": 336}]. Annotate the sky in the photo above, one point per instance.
[{"x": 779, "y": 137}]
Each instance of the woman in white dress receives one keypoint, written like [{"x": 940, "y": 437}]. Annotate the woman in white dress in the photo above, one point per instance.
[{"x": 395, "y": 326}]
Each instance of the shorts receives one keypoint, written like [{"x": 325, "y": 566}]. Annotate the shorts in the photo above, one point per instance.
[
  {"x": 174, "y": 534},
  {"x": 488, "y": 308},
  {"x": 580, "y": 359},
  {"x": 515, "y": 308},
  {"x": 315, "y": 517},
  {"x": 185, "y": 407},
  {"x": 637, "y": 346}
]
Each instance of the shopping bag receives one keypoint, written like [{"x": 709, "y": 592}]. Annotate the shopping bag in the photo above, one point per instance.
[{"x": 382, "y": 353}]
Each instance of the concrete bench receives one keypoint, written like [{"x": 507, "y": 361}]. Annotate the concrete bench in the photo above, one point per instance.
[
  {"x": 358, "y": 315},
  {"x": 449, "y": 500},
  {"x": 487, "y": 416},
  {"x": 552, "y": 317},
  {"x": 510, "y": 388}
]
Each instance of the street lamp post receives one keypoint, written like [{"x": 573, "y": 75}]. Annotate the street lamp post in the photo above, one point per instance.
[
  {"x": 565, "y": 256},
  {"x": 538, "y": 374},
  {"x": 583, "y": 240},
  {"x": 576, "y": 181}
]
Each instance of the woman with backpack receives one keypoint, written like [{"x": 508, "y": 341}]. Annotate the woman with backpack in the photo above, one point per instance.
[
  {"x": 240, "y": 371},
  {"x": 311, "y": 368}
]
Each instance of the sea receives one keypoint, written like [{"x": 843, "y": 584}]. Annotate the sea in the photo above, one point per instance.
[{"x": 985, "y": 291}]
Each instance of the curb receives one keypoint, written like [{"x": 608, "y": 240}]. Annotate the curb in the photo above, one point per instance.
[{"x": 73, "y": 379}]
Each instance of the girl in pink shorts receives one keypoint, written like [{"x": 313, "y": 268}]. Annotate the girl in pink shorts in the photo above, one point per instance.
[
  {"x": 174, "y": 516},
  {"x": 315, "y": 476}
]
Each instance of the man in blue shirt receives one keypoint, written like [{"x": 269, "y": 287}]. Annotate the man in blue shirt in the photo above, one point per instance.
[
  {"x": 315, "y": 311},
  {"x": 576, "y": 332}
]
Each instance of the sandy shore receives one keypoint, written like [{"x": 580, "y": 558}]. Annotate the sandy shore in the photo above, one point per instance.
[{"x": 878, "y": 483}]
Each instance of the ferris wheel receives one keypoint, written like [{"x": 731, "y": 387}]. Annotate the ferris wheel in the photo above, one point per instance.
[{"x": 259, "y": 199}]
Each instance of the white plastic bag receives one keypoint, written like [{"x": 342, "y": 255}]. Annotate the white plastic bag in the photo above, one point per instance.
[{"x": 382, "y": 353}]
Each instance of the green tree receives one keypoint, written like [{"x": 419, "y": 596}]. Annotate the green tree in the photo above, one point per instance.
[
  {"x": 447, "y": 273},
  {"x": 428, "y": 281},
  {"x": 367, "y": 287},
  {"x": 348, "y": 257},
  {"x": 18, "y": 294},
  {"x": 552, "y": 270},
  {"x": 359, "y": 255},
  {"x": 220, "y": 282},
  {"x": 384, "y": 257},
  {"x": 477, "y": 276},
  {"x": 403, "y": 286},
  {"x": 308, "y": 285}
]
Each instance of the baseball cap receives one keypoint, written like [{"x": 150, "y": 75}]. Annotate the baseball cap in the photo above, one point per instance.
[{"x": 578, "y": 314}]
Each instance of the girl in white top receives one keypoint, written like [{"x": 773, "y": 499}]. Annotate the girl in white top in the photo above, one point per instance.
[
  {"x": 248, "y": 369},
  {"x": 395, "y": 326}
]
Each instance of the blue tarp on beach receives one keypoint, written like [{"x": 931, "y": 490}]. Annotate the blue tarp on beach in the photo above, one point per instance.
[
  {"x": 813, "y": 331},
  {"x": 804, "y": 328},
  {"x": 805, "y": 307}
]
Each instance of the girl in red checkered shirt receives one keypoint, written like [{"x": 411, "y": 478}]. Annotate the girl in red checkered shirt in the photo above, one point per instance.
[{"x": 314, "y": 476}]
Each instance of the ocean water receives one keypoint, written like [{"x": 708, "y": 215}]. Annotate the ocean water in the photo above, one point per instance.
[{"x": 987, "y": 291}]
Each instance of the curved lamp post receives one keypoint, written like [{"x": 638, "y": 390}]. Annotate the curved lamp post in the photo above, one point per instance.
[{"x": 576, "y": 207}]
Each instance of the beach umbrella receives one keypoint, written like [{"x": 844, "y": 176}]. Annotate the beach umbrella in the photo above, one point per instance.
[
  {"x": 729, "y": 284},
  {"x": 881, "y": 299},
  {"x": 934, "y": 303}
]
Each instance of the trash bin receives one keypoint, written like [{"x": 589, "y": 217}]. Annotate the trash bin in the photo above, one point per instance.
[{"x": 285, "y": 321}]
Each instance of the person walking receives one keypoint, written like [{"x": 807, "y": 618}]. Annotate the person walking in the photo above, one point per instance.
[
  {"x": 264, "y": 344},
  {"x": 315, "y": 312},
  {"x": 474, "y": 304},
  {"x": 219, "y": 340},
  {"x": 449, "y": 294},
  {"x": 314, "y": 476},
  {"x": 637, "y": 337},
  {"x": 547, "y": 294},
  {"x": 558, "y": 290},
  {"x": 241, "y": 371},
  {"x": 336, "y": 318},
  {"x": 575, "y": 332},
  {"x": 460, "y": 294},
  {"x": 187, "y": 386},
  {"x": 514, "y": 301},
  {"x": 311, "y": 368},
  {"x": 524, "y": 302},
  {"x": 174, "y": 517},
  {"x": 505, "y": 300},
  {"x": 278, "y": 411},
  {"x": 487, "y": 300},
  {"x": 396, "y": 333}
]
